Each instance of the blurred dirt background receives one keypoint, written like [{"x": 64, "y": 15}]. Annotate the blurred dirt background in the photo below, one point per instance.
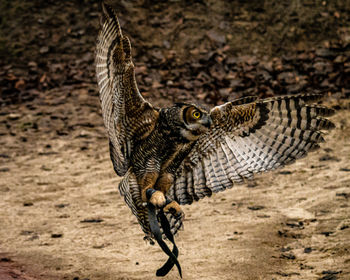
[{"x": 61, "y": 216}]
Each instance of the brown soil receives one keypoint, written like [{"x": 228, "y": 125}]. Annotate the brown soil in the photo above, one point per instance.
[{"x": 61, "y": 216}]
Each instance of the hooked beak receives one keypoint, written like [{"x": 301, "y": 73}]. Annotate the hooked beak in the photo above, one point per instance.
[{"x": 208, "y": 121}]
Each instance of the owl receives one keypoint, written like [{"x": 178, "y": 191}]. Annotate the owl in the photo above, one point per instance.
[{"x": 177, "y": 155}]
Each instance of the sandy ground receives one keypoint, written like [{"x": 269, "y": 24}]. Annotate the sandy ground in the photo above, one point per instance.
[{"x": 61, "y": 215}]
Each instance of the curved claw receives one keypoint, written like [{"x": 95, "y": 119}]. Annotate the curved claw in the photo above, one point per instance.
[
  {"x": 157, "y": 199},
  {"x": 173, "y": 208}
]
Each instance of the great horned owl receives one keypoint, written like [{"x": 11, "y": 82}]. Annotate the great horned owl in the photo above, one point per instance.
[{"x": 185, "y": 152}]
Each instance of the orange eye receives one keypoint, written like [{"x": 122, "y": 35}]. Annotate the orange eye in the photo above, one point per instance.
[{"x": 196, "y": 114}]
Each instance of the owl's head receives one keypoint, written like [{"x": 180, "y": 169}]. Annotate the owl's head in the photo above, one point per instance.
[{"x": 189, "y": 120}]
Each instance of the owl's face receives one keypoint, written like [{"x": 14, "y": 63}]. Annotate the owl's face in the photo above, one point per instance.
[
  {"x": 196, "y": 121},
  {"x": 186, "y": 120}
]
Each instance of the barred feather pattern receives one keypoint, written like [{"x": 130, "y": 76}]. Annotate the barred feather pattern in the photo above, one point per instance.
[
  {"x": 130, "y": 190},
  {"x": 247, "y": 139},
  {"x": 127, "y": 116}
]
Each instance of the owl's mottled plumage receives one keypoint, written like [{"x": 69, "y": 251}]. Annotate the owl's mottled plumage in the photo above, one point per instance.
[{"x": 184, "y": 151}]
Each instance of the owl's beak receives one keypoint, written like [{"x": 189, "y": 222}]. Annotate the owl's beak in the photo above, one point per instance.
[{"x": 207, "y": 122}]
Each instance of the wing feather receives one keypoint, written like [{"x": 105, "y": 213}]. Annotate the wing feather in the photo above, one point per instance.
[
  {"x": 127, "y": 116},
  {"x": 220, "y": 179},
  {"x": 231, "y": 161},
  {"x": 251, "y": 136}
]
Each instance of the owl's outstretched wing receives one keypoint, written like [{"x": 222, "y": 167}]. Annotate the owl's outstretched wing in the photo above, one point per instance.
[
  {"x": 249, "y": 137},
  {"x": 127, "y": 116}
]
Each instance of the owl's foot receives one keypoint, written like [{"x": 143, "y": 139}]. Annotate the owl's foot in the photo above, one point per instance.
[
  {"x": 156, "y": 198},
  {"x": 173, "y": 208}
]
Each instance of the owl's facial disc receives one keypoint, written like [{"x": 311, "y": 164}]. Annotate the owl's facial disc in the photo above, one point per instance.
[{"x": 196, "y": 122}]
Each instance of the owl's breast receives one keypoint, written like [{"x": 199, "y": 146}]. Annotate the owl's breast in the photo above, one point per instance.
[{"x": 160, "y": 151}]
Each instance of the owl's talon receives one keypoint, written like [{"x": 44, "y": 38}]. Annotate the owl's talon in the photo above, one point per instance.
[
  {"x": 155, "y": 197},
  {"x": 174, "y": 209}
]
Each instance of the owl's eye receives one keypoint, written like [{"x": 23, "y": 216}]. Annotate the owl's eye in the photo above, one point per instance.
[{"x": 196, "y": 114}]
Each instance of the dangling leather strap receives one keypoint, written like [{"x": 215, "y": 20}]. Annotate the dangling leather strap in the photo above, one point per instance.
[
  {"x": 170, "y": 263},
  {"x": 155, "y": 229}
]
